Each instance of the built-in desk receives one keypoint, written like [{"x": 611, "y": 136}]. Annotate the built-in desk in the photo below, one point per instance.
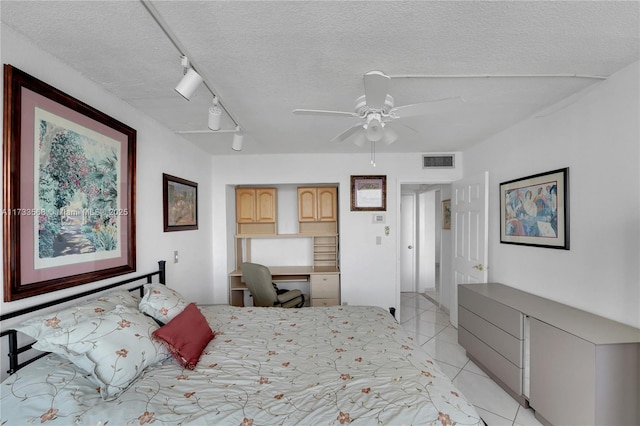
[{"x": 324, "y": 283}]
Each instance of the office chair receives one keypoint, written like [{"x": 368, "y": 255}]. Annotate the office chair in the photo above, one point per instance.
[{"x": 263, "y": 290}]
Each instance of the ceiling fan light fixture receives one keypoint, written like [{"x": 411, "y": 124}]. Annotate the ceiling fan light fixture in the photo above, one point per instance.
[
  {"x": 360, "y": 140},
  {"x": 374, "y": 128},
  {"x": 390, "y": 136}
]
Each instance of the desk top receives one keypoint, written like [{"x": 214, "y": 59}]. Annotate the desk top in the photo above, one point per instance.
[{"x": 295, "y": 270}]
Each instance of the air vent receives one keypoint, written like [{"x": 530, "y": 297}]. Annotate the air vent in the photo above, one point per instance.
[{"x": 445, "y": 161}]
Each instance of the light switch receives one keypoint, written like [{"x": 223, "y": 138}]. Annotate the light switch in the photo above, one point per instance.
[
  {"x": 175, "y": 256},
  {"x": 378, "y": 240}
]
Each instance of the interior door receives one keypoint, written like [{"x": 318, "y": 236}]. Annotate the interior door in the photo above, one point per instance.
[
  {"x": 469, "y": 223},
  {"x": 407, "y": 241}
]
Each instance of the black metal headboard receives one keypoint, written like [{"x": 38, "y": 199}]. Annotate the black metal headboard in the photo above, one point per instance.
[{"x": 15, "y": 350}]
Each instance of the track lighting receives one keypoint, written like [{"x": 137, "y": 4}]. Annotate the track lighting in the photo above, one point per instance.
[
  {"x": 238, "y": 138},
  {"x": 190, "y": 81},
  {"x": 214, "y": 115}
]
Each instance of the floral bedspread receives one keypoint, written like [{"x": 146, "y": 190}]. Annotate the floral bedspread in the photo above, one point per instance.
[{"x": 266, "y": 366}]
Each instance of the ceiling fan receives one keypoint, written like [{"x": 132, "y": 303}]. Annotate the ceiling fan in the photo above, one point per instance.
[{"x": 376, "y": 110}]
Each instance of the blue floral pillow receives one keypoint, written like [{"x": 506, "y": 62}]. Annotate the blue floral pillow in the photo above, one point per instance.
[{"x": 114, "y": 349}]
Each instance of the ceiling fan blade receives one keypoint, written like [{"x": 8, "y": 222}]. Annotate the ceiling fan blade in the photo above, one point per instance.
[
  {"x": 425, "y": 108},
  {"x": 323, "y": 112},
  {"x": 390, "y": 136},
  {"x": 376, "y": 87},
  {"x": 347, "y": 133},
  {"x": 404, "y": 126}
]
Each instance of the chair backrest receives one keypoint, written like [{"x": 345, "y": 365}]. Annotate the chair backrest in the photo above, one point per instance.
[{"x": 258, "y": 280}]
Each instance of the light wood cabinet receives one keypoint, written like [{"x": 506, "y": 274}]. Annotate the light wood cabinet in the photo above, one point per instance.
[
  {"x": 325, "y": 289},
  {"x": 317, "y": 204},
  {"x": 318, "y": 209},
  {"x": 256, "y": 210}
]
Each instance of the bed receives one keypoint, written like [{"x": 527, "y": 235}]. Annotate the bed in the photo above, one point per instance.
[{"x": 263, "y": 366}]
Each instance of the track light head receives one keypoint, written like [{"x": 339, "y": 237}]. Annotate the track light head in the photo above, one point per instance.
[
  {"x": 190, "y": 81},
  {"x": 214, "y": 115},
  {"x": 238, "y": 138}
]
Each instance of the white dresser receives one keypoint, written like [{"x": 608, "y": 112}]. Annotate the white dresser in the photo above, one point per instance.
[{"x": 572, "y": 367}]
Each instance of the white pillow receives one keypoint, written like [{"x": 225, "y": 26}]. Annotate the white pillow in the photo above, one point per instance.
[
  {"x": 114, "y": 348},
  {"x": 162, "y": 303},
  {"x": 55, "y": 321}
]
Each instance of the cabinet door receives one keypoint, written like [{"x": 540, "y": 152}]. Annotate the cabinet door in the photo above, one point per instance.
[
  {"x": 265, "y": 205},
  {"x": 245, "y": 205},
  {"x": 562, "y": 375},
  {"x": 327, "y": 203},
  {"x": 307, "y": 207}
]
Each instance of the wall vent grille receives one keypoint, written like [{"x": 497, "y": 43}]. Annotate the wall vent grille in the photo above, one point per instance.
[{"x": 445, "y": 161}]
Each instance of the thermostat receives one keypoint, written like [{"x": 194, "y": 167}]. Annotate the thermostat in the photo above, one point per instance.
[{"x": 379, "y": 218}]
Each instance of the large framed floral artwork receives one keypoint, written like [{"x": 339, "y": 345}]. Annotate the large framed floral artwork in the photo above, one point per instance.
[
  {"x": 68, "y": 190},
  {"x": 534, "y": 210}
]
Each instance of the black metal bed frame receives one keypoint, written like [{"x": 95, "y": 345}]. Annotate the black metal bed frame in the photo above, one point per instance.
[{"x": 15, "y": 350}]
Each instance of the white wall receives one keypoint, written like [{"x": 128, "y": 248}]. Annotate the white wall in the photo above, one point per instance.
[
  {"x": 369, "y": 272},
  {"x": 158, "y": 151},
  {"x": 598, "y": 138}
]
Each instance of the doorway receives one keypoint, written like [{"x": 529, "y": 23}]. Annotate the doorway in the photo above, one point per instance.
[{"x": 430, "y": 251}]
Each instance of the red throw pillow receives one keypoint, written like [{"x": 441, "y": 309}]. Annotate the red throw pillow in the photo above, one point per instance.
[{"x": 186, "y": 336}]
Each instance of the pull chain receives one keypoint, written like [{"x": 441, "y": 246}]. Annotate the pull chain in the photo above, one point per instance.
[{"x": 373, "y": 153}]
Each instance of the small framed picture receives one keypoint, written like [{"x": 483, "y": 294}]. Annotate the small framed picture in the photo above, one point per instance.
[
  {"x": 446, "y": 214},
  {"x": 368, "y": 193},
  {"x": 534, "y": 210},
  {"x": 180, "y": 202}
]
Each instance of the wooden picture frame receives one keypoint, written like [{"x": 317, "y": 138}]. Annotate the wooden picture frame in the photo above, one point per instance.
[
  {"x": 534, "y": 210},
  {"x": 446, "y": 214},
  {"x": 68, "y": 190},
  {"x": 369, "y": 193},
  {"x": 180, "y": 203}
]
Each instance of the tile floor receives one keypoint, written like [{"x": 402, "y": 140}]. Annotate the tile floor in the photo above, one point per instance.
[{"x": 430, "y": 327}]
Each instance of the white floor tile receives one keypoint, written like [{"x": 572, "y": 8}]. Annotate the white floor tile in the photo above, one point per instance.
[
  {"x": 421, "y": 330},
  {"x": 450, "y": 370},
  {"x": 492, "y": 419},
  {"x": 449, "y": 353},
  {"x": 483, "y": 392},
  {"x": 472, "y": 367},
  {"x": 525, "y": 417}
]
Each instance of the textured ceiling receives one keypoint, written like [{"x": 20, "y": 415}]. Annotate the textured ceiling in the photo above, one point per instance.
[{"x": 265, "y": 58}]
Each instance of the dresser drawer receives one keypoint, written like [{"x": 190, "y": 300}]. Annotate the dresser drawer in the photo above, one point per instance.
[
  {"x": 502, "y": 316},
  {"x": 499, "y": 366},
  {"x": 325, "y": 286},
  {"x": 324, "y": 302},
  {"x": 504, "y": 343}
]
